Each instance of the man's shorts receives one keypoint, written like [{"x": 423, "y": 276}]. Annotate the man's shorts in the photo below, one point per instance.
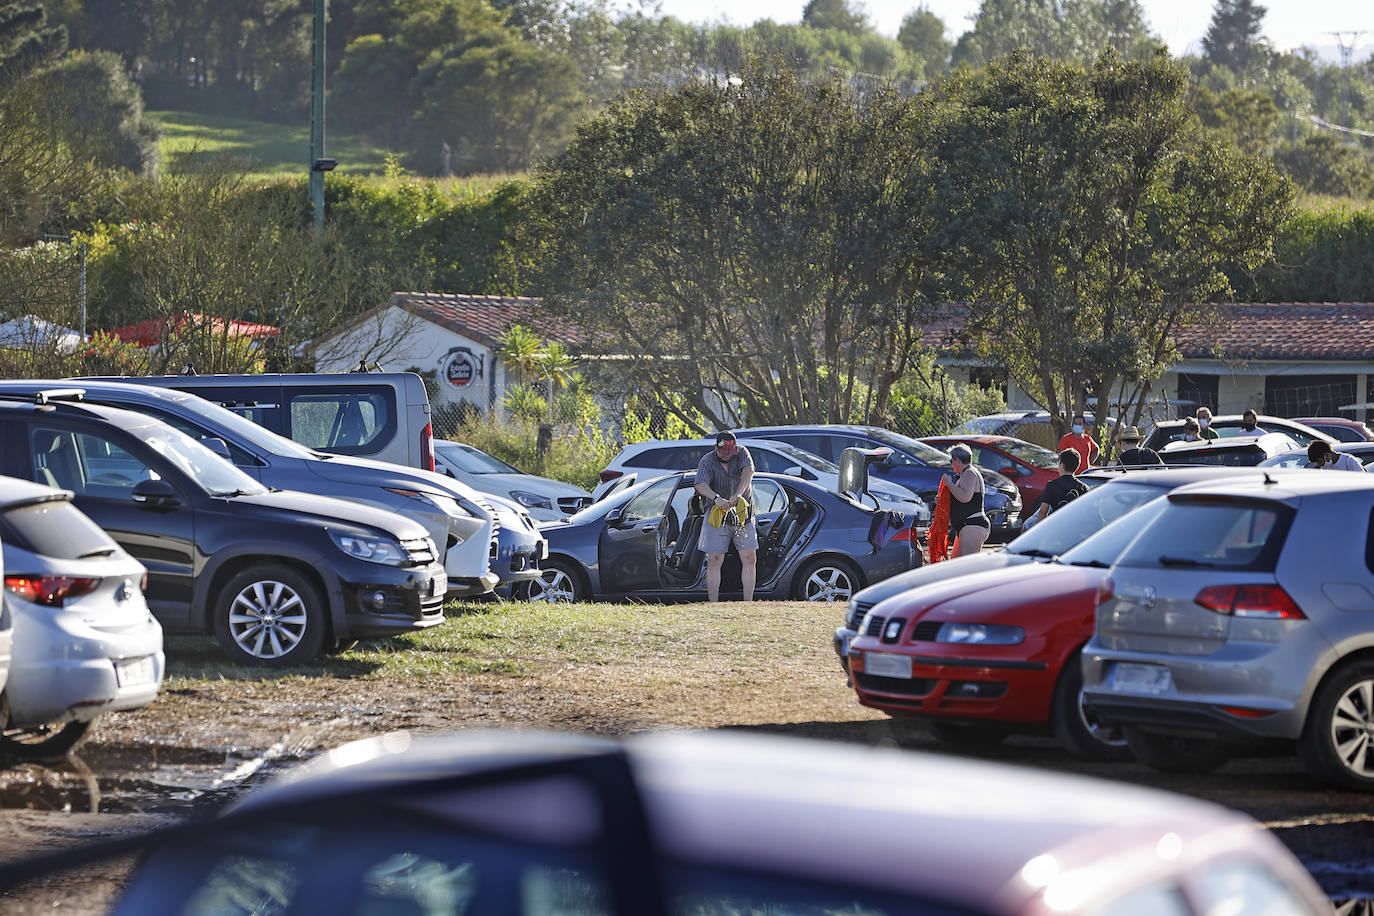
[{"x": 718, "y": 540}]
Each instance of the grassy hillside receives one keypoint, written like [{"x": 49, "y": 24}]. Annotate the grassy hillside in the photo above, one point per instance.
[{"x": 266, "y": 150}]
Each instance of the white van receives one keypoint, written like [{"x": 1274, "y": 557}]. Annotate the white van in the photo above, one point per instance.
[{"x": 384, "y": 416}]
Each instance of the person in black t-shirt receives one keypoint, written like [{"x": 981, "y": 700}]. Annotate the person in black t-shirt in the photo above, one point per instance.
[
  {"x": 1063, "y": 489},
  {"x": 1132, "y": 455}
]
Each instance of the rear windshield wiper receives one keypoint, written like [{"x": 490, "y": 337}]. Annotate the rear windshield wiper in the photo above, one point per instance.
[
  {"x": 1047, "y": 554},
  {"x": 1092, "y": 564},
  {"x": 98, "y": 552},
  {"x": 1184, "y": 561}
]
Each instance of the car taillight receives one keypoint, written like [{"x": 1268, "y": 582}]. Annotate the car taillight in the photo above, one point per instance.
[
  {"x": 904, "y": 534},
  {"x": 50, "y": 591},
  {"x": 427, "y": 447},
  {"x": 608, "y": 476},
  {"x": 1106, "y": 591},
  {"x": 1267, "y": 601}
]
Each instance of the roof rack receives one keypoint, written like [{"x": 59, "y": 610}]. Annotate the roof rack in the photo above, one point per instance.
[{"x": 48, "y": 395}]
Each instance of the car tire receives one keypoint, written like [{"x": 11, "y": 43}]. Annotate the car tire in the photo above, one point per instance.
[
  {"x": 558, "y": 583},
  {"x": 270, "y": 615},
  {"x": 1176, "y": 753},
  {"x": 1076, "y": 730},
  {"x": 826, "y": 580},
  {"x": 44, "y": 742},
  {"x": 1335, "y": 746},
  {"x": 968, "y": 734}
]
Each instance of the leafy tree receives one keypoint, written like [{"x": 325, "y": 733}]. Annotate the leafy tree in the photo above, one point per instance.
[
  {"x": 923, "y": 35},
  {"x": 751, "y": 245},
  {"x": 1322, "y": 163},
  {"x": 103, "y": 110},
  {"x": 1074, "y": 30},
  {"x": 1084, "y": 210},
  {"x": 1245, "y": 118},
  {"x": 1233, "y": 38},
  {"x": 26, "y": 40},
  {"x": 834, "y": 14}
]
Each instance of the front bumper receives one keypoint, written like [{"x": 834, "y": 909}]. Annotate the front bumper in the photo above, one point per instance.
[
  {"x": 386, "y": 600},
  {"x": 998, "y": 689},
  {"x": 516, "y": 554},
  {"x": 65, "y": 668}
]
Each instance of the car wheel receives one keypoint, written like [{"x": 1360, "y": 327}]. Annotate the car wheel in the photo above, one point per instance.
[
  {"x": 270, "y": 615},
  {"x": 1335, "y": 745},
  {"x": 968, "y": 734},
  {"x": 43, "y": 742},
  {"x": 826, "y": 580},
  {"x": 1080, "y": 733},
  {"x": 1176, "y": 753},
  {"x": 557, "y": 584}
]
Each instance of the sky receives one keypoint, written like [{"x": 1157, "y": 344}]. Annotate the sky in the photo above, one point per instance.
[{"x": 1288, "y": 24}]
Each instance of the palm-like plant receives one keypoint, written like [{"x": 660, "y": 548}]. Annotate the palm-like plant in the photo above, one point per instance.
[{"x": 520, "y": 349}]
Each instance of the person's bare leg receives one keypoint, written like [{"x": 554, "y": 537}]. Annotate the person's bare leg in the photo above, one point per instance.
[
  {"x": 971, "y": 539},
  {"x": 748, "y": 572},
  {"x": 713, "y": 563}
]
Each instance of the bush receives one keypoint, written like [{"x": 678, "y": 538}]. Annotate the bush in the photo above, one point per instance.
[{"x": 576, "y": 456}]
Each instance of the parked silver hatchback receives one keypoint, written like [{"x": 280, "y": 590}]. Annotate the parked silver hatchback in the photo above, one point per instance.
[
  {"x": 84, "y": 641},
  {"x": 1244, "y": 611}
]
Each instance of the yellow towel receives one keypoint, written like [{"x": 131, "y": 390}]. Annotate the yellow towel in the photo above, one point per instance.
[{"x": 717, "y": 516}]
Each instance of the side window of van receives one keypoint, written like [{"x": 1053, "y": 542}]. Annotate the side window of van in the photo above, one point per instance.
[{"x": 358, "y": 420}]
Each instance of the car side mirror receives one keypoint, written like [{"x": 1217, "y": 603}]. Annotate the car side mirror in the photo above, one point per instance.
[
  {"x": 1009, "y": 471},
  {"x": 613, "y": 517},
  {"x": 155, "y": 494},
  {"x": 794, "y": 471},
  {"x": 218, "y": 446}
]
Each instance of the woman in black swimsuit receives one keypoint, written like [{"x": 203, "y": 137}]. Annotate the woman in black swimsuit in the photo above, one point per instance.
[{"x": 969, "y": 526}]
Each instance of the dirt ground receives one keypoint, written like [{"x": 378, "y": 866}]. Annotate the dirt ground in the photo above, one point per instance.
[{"x": 219, "y": 736}]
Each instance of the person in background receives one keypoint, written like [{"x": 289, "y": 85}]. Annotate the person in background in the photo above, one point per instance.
[
  {"x": 1132, "y": 455},
  {"x": 1249, "y": 424},
  {"x": 1063, "y": 489},
  {"x": 1081, "y": 441},
  {"x": 1204, "y": 422},
  {"x": 1320, "y": 454},
  {"x": 1191, "y": 430},
  {"x": 724, "y": 474},
  {"x": 968, "y": 523}
]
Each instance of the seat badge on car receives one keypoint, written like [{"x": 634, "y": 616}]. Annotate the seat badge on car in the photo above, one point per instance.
[
  {"x": 125, "y": 590},
  {"x": 1147, "y": 597}
]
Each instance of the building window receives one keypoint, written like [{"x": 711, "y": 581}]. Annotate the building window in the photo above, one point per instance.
[
  {"x": 1200, "y": 389},
  {"x": 1308, "y": 395}
]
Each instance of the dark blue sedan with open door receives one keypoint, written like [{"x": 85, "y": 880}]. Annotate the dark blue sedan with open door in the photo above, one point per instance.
[{"x": 814, "y": 544}]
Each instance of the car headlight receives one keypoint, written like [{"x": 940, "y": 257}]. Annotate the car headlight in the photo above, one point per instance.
[
  {"x": 373, "y": 550},
  {"x": 983, "y": 634},
  {"x": 531, "y": 500}
]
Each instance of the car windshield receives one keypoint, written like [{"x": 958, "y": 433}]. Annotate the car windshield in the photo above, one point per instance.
[
  {"x": 471, "y": 460},
  {"x": 208, "y": 470},
  {"x": 1069, "y": 526},
  {"x": 1101, "y": 549},
  {"x": 914, "y": 447},
  {"x": 1032, "y": 454},
  {"x": 804, "y": 458},
  {"x": 239, "y": 426}
]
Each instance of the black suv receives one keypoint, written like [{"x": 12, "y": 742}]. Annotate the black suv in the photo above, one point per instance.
[{"x": 275, "y": 575}]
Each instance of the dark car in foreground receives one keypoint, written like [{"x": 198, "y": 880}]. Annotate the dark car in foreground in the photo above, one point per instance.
[
  {"x": 814, "y": 544},
  {"x": 275, "y": 575},
  {"x": 913, "y": 464},
  {"x": 685, "y": 824},
  {"x": 1244, "y": 613},
  {"x": 1238, "y": 451}
]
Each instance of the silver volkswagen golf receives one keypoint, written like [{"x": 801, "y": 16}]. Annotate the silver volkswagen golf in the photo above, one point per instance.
[{"x": 1244, "y": 612}]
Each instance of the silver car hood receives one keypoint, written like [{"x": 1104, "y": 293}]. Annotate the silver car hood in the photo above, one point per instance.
[{"x": 351, "y": 469}]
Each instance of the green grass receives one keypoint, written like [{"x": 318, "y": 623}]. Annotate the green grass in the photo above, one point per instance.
[
  {"x": 516, "y": 638},
  {"x": 266, "y": 150}
]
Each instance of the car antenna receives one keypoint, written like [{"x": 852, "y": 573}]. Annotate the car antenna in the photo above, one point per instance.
[
  {"x": 1269, "y": 481},
  {"x": 189, "y": 369}
]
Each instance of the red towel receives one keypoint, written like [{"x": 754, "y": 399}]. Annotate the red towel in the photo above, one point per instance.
[{"x": 937, "y": 540}]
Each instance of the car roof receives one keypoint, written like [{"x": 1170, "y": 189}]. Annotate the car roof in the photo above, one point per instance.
[
  {"x": 636, "y": 448},
  {"x": 784, "y": 805},
  {"x": 117, "y": 416},
  {"x": 1169, "y": 475},
  {"x": 1286, "y": 484},
  {"x": 1267, "y": 442}
]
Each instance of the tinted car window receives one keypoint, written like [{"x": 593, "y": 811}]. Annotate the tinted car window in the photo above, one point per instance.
[
  {"x": 923, "y": 453},
  {"x": 357, "y": 421},
  {"x": 715, "y": 892},
  {"x": 682, "y": 458},
  {"x": 236, "y": 454},
  {"x": 1225, "y": 456},
  {"x": 1101, "y": 549},
  {"x": 473, "y": 461},
  {"x": 651, "y": 503},
  {"x": 1204, "y": 532},
  {"x": 1085, "y": 515},
  {"x": 1032, "y": 454},
  {"x": 54, "y": 529},
  {"x": 86, "y": 464},
  {"x": 816, "y": 444},
  {"x": 768, "y": 497}
]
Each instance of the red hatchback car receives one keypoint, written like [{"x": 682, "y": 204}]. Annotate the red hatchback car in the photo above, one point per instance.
[
  {"x": 1026, "y": 464},
  {"x": 981, "y": 656}
]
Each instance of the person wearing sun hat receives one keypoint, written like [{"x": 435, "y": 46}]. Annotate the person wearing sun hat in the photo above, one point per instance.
[
  {"x": 724, "y": 475},
  {"x": 1132, "y": 455}
]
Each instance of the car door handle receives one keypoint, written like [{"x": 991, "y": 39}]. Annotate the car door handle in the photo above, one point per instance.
[{"x": 648, "y": 528}]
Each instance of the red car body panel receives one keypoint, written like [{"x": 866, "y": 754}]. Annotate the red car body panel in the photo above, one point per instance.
[
  {"x": 1052, "y": 603},
  {"x": 1030, "y": 480}
]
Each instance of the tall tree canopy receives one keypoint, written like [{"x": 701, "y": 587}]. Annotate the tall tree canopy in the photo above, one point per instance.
[
  {"x": 1085, "y": 208},
  {"x": 755, "y": 241},
  {"x": 1233, "y": 38},
  {"x": 923, "y": 34},
  {"x": 1072, "y": 30}
]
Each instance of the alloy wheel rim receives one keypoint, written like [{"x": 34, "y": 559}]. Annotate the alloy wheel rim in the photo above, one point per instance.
[
  {"x": 554, "y": 587},
  {"x": 267, "y": 619},
  {"x": 1352, "y": 728},
  {"x": 829, "y": 583}
]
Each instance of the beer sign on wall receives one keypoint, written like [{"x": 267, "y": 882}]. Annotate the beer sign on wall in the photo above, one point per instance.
[{"x": 461, "y": 367}]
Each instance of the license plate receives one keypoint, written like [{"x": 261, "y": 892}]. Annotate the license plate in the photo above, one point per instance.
[
  {"x": 135, "y": 672},
  {"x": 438, "y": 585},
  {"x": 1132, "y": 678},
  {"x": 887, "y": 664}
]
